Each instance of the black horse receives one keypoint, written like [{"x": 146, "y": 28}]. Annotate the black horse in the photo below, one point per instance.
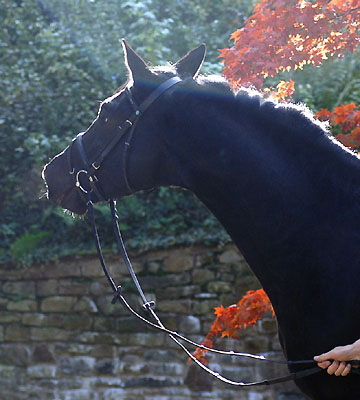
[{"x": 286, "y": 192}]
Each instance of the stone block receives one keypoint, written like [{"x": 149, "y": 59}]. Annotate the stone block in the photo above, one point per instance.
[
  {"x": 16, "y": 333},
  {"x": 151, "y": 382},
  {"x": 205, "y": 307},
  {"x": 55, "y": 320},
  {"x": 257, "y": 345},
  {"x": 146, "y": 339},
  {"x": 22, "y": 306},
  {"x": 78, "y": 394},
  {"x": 198, "y": 380},
  {"x": 170, "y": 368},
  {"x": 8, "y": 317},
  {"x": 175, "y": 306},
  {"x": 23, "y": 289},
  {"x": 100, "y": 289},
  {"x": 107, "y": 308},
  {"x": 105, "y": 324},
  {"x": 42, "y": 354},
  {"x": 91, "y": 268},
  {"x": 77, "y": 365},
  {"x": 189, "y": 324},
  {"x": 154, "y": 267},
  {"x": 78, "y": 322},
  {"x": 102, "y": 338},
  {"x": 118, "y": 270},
  {"x": 15, "y": 354},
  {"x": 58, "y": 304},
  {"x": 73, "y": 287},
  {"x": 130, "y": 324},
  {"x": 105, "y": 367},
  {"x": 202, "y": 275},
  {"x": 228, "y": 299},
  {"x": 170, "y": 321},
  {"x": 102, "y": 351},
  {"x": 159, "y": 355},
  {"x": 3, "y": 304},
  {"x": 177, "y": 292},
  {"x": 268, "y": 326},
  {"x": 30, "y": 273},
  {"x": 231, "y": 256},
  {"x": 85, "y": 305},
  {"x": 68, "y": 269},
  {"x": 49, "y": 287},
  {"x": 41, "y": 371},
  {"x": 34, "y": 319},
  {"x": 115, "y": 394},
  {"x": 245, "y": 283},
  {"x": 219, "y": 287},
  {"x": 178, "y": 261},
  {"x": 157, "y": 283},
  {"x": 50, "y": 334},
  {"x": 204, "y": 257}
]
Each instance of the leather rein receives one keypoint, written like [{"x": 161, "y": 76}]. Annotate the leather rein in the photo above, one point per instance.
[{"x": 88, "y": 171}]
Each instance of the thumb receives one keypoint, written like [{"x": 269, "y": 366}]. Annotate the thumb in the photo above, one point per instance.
[{"x": 323, "y": 357}]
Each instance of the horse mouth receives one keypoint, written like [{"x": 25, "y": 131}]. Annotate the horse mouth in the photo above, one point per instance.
[
  {"x": 71, "y": 201},
  {"x": 68, "y": 200}
]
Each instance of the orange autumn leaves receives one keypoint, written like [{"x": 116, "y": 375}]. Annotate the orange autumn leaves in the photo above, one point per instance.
[
  {"x": 230, "y": 320},
  {"x": 284, "y": 35},
  {"x": 345, "y": 121}
]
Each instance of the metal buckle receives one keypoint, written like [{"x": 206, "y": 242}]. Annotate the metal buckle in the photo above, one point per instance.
[{"x": 78, "y": 184}]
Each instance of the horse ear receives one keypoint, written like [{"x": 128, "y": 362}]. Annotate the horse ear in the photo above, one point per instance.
[
  {"x": 136, "y": 66},
  {"x": 190, "y": 64}
]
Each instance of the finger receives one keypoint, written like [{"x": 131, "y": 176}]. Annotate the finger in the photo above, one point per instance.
[
  {"x": 346, "y": 370},
  {"x": 340, "y": 369},
  {"x": 324, "y": 364},
  {"x": 333, "y": 367},
  {"x": 323, "y": 357}
]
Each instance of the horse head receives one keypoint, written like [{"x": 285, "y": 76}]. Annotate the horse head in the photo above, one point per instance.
[{"x": 120, "y": 152}]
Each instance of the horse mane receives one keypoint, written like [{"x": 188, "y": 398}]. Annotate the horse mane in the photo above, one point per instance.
[{"x": 280, "y": 114}]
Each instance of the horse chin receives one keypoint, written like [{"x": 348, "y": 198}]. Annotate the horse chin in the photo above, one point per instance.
[{"x": 72, "y": 202}]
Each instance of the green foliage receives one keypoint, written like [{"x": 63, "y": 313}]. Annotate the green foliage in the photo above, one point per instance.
[
  {"x": 23, "y": 247},
  {"x": 329, "y": 85}
]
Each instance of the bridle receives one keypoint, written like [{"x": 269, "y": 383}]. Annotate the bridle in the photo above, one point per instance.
[{"x": 89, "y": 169}]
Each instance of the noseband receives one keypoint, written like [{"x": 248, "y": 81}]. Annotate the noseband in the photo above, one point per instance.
[{"x": 88, "y": 170}]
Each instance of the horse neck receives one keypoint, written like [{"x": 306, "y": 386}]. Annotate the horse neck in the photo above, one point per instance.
[{"x": 272, "y": 189}]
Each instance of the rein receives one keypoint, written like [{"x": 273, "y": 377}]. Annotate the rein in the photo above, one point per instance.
[{"x": 89, "y": 171}]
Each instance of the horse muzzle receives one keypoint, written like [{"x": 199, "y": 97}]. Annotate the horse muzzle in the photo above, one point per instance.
[{"x": 60, "y": 188}]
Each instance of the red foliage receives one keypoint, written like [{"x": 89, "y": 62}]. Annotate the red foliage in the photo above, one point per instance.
[
  {"x": 346, "y": 118},
  {"x": 230, "y": 320},
  {"x": 288, "y": 34}
]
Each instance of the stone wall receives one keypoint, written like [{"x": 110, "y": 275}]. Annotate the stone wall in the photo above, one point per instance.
[{"x": 61, "y": 338}]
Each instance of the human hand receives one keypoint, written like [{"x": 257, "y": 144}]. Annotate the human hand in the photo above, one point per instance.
[{"x": 336, "y": 361}]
